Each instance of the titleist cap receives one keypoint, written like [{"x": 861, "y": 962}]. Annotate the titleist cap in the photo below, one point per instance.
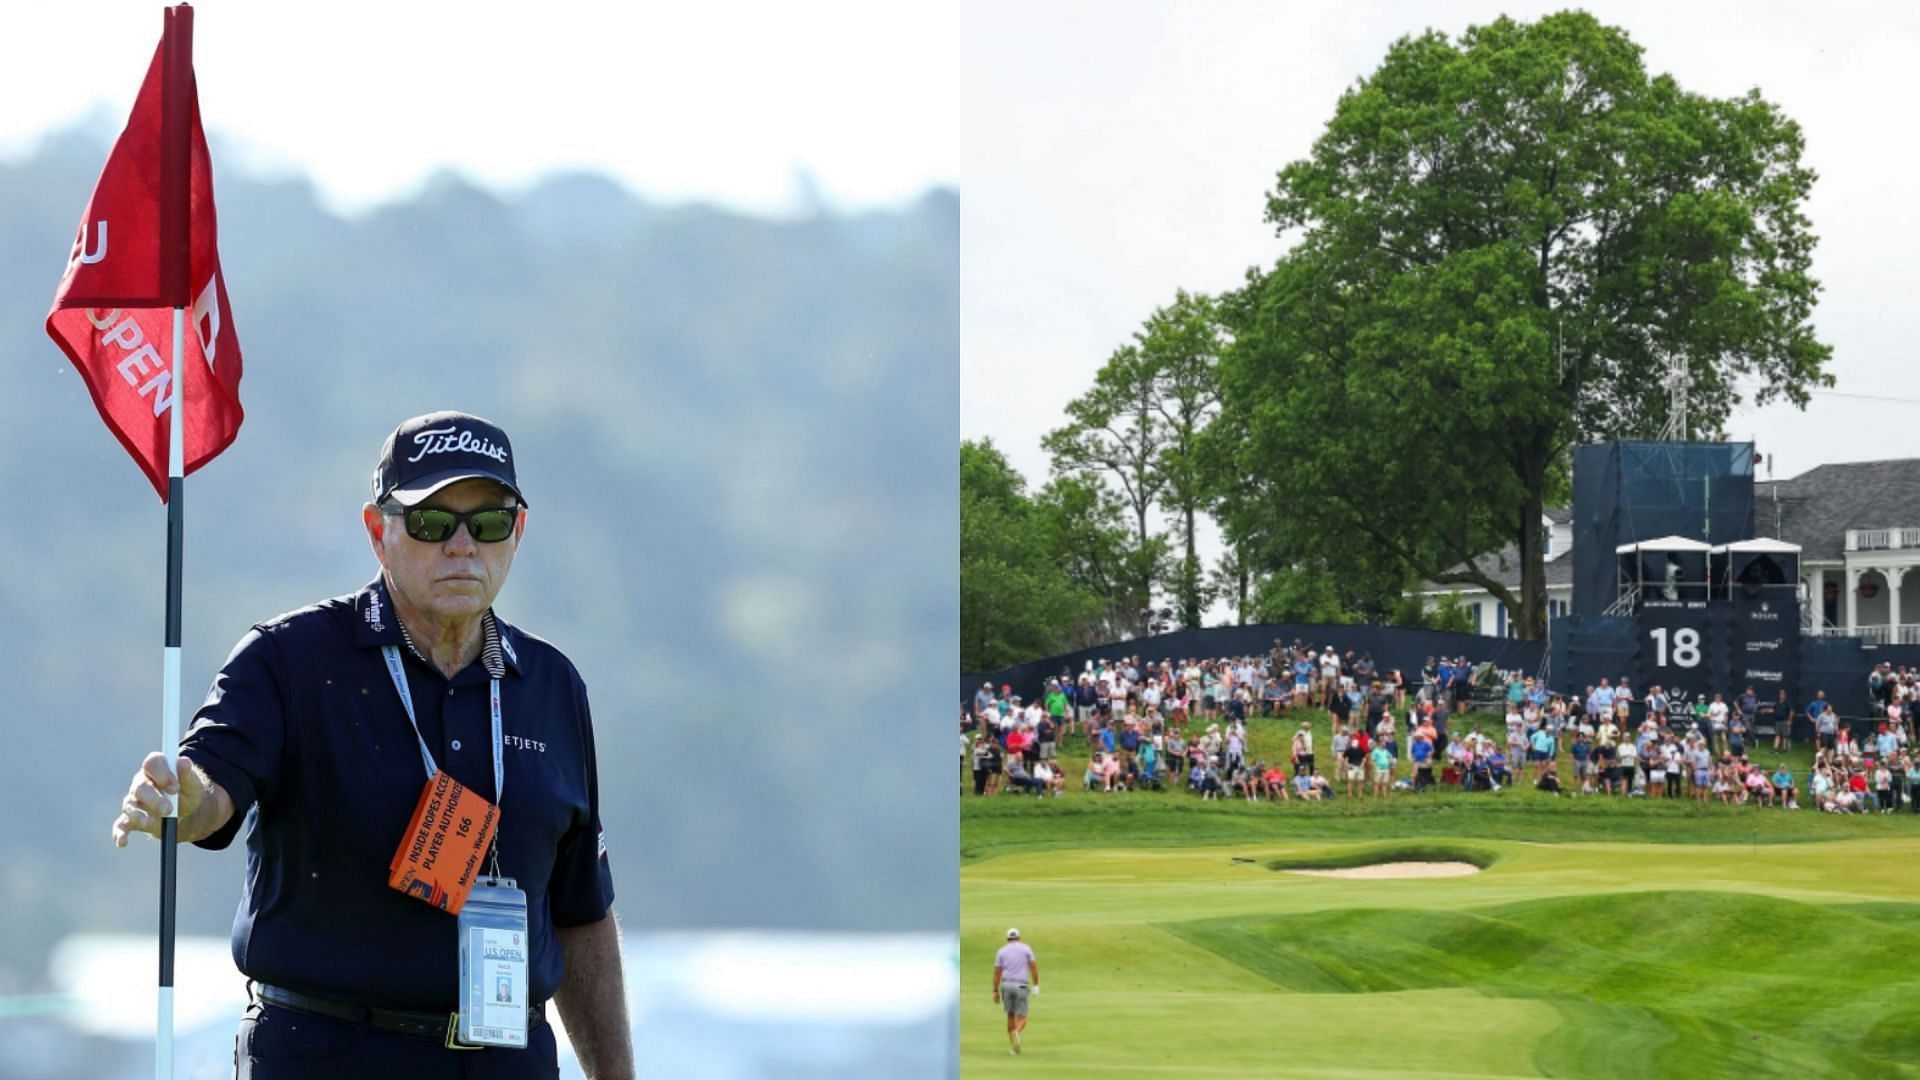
[{"x": 429, "y": 452}]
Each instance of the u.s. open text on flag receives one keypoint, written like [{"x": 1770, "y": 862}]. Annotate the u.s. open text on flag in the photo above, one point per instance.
[{"x": 112, "y": 313}]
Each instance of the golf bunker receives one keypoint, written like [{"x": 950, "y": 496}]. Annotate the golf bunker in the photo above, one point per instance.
[
  {"x": 1381, "y": 871},
  {"x": 1390, "y": 864}
]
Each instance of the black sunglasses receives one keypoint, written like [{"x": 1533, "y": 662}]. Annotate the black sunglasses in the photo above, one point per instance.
[{"x": 431, "y": 525}]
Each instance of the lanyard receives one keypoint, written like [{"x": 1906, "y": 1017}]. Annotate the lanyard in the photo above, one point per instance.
[{"x": 399, "y": 673}]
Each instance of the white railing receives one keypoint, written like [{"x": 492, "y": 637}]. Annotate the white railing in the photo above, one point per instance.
[
  {"x": 1874, "y": 539},
  {"x": 1624, "y": 604},
  {"x": 1882, "y": 539},
  {"x": 1904, "y": 634}
]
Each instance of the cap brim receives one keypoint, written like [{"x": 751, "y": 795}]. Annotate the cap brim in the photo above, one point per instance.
[{"x": 411, "y": 494}]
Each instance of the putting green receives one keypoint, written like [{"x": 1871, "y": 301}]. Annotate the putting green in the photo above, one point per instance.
[{"x": 1616, "y": 959}]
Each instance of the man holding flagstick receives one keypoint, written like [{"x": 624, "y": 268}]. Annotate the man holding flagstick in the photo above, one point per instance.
[
  {"x": 358, "y": 925},
  {"x": 359, "y": 961}
]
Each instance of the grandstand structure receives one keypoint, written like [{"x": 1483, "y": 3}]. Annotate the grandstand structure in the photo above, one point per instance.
[
  {"x": 1857, "y": 525},
  {"x": 1685, "y": 573}
]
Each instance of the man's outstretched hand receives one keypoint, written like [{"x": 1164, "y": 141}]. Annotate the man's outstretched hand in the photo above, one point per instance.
[{"x": 148, "y": 800}]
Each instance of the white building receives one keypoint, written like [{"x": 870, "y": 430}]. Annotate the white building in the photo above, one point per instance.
[
  {"x": 1858, "y": 528},
  {"x": 1490, "y": 614}
]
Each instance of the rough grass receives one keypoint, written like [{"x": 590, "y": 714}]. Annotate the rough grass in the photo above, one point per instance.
[
  {"x": 991, "y": 827},
  {"x": 1680, "y": 983}
]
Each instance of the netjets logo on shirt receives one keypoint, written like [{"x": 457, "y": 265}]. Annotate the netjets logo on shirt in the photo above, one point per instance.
[{"x": 449, "y": 440}]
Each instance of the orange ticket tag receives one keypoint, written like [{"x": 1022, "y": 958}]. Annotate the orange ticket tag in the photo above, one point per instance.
[{"x": 439, "y": 856}]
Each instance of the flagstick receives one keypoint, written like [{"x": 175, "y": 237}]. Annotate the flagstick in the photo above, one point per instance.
[
  {"x": 170, "y": 691},
  {"x": 176, "y": 226}
]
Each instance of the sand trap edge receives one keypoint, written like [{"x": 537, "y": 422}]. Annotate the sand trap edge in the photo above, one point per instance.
[{"x": 1392, "y": 871}]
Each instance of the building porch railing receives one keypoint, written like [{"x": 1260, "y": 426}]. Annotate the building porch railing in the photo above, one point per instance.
[
  {"x": 1890, "y": 539},
  {"x": 1904, "y": 634}
]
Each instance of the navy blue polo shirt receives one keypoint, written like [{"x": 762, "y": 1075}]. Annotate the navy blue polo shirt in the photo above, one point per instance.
[{"x": 304, "y": 729}]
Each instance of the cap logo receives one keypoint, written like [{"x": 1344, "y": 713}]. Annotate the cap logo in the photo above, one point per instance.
[{"x": 445, "y": 440}]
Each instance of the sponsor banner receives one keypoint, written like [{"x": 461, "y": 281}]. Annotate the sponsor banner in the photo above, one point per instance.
[{"x": 1763, "y": 647}]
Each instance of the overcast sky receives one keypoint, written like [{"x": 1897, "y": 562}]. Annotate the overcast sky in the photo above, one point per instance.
[
  {"x": 1115, "y": 152},
  {"x": 729, "y": 102}
]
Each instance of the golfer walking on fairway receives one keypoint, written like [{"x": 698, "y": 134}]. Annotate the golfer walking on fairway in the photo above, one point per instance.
[{"x": 1015, "y": 972}]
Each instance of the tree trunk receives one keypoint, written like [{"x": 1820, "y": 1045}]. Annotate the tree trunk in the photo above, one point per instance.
[
  {"x": 1143, "y": 589},
  {"x": 1143, "y": 425},
  {"x": 1533, "y": 566},
  {"x": 1245, "y": 581},
  {"x": 1190, "y": 613}
]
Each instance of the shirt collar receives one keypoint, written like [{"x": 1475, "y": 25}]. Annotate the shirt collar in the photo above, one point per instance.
[{"x": 376, "y": 625}]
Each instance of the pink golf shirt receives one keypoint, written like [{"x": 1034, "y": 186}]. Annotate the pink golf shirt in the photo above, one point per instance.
[{"x": 1014, "y": 962}]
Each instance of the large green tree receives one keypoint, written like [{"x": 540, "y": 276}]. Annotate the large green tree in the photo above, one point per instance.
[
  {"x": 1239, "y": 498},
  {"x": 1087, "y": 536},
  {"x": 1017, "y": 601},
  {"x": 1114, "y": 434},
  {"x": 1140, "y": 428},
  {"x": 1500, "y": 243},
  {"x": 1180, "y": 347}
]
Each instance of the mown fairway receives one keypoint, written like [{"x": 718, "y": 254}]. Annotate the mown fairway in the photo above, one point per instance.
[{"x": 1607, "y": 938}]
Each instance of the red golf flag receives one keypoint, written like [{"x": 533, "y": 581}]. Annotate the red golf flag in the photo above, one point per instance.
[{"x": 147, "y": 244}]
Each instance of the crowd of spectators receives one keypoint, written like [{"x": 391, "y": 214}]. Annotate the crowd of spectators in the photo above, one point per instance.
[{"x": 1183, "y": 726}]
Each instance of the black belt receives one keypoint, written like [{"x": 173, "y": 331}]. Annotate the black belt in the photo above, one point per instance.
[{"x": 424, "y": 1025}]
